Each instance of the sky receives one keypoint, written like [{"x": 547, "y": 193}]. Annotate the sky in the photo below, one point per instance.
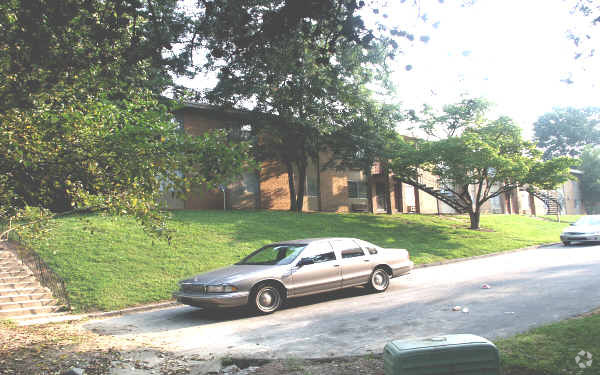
[{"x": 514, "y": 53}]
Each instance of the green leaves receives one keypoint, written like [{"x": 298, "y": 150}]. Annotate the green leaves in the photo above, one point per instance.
[
  {"x": 82, "y": 121},
  {"x": 485, "y": 157},
  {"x": 590, "y": 179},
  {"x": 306, "y": 70},
  {"x": 566, "y": 131},
  {"x": 114, "y": 156}
]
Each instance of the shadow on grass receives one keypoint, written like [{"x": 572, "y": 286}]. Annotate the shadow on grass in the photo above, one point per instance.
[{"x": 420, "y": 237}]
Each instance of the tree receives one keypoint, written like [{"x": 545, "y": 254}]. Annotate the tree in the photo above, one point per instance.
[
  {"x": 82, "y": 122},
  {"x": 309, "y": 69},
  {"x": 366, "y": 140},
  {"x": 118, "y": 157},
  {"x": 47, "y": 45},
  {"x": 486, "y": 159},
  {"x": 590, "y": 179},
  {"x": 565, "y": 131}
]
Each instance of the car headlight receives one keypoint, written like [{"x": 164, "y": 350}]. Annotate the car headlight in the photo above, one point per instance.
[{"x": 220, "y": 289}]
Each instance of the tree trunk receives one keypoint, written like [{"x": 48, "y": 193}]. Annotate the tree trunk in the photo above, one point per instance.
[
  {"x": 369, "y": 192},
  {"x": 388, "y": 194},
  {"x": 301, "y": 185},
  {"x": 290, "y": 172},
  {"x": 475, "y": 218}
]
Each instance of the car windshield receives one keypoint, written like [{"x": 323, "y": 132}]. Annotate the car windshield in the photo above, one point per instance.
[
  {"x": 274, "y": 254},
  {"x": 588, "y": 220}
]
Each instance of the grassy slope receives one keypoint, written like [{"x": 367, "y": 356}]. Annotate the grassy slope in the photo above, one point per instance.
[
  {"x": 551, "y": 349},
  {"x": 118, "y": 265},
  {"x": 563, "y": 218}
]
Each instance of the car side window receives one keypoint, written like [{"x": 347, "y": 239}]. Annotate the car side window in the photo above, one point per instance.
[
  {"x": 348, "y": 248},
  {"x": 320, "y": 252},
  {"x": 352, "y": 253},
  {"x": 325, "y": 257},
  {"x": 372, "y": 249}
]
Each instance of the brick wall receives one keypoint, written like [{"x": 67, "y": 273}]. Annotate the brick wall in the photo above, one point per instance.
[
  {"x": 334, "y": 191},
  {"x": 274, "y": 187},
  {"x": 195, "y": 123}
]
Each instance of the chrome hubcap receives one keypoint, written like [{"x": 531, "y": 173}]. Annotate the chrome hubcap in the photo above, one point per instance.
[
  {"x": 380, "y": 280},
  {"x": 268, "y": 299}
]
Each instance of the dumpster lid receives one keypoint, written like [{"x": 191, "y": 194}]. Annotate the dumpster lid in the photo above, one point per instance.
[{"x": 438, "y": 341}]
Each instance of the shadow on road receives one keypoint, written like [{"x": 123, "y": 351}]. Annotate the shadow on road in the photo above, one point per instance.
[{"x": 185, "y": 316}]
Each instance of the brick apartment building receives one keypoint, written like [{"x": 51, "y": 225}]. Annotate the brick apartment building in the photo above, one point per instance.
[{"x": 329, "y": 189}]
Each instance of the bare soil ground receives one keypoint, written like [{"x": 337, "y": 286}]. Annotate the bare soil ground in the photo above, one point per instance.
[{"x": 54, "y": 348}]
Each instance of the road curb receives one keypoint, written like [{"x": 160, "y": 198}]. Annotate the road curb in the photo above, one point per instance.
[
  {"x": 131, "y": 310},
  {"x": 457, "y": 260}
]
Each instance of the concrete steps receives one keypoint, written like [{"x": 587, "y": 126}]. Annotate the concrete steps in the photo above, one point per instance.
[
  {"x": 22, "y": 297},
  {"x": 25, "y": 297},
  {"x": 22, "y": 291},
  {"x": 27, "y": 303}
]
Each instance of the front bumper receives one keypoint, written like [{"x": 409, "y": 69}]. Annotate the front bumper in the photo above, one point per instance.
[
  {"x": 580, "y": 237},
  {"x": 212, "y": 300}
]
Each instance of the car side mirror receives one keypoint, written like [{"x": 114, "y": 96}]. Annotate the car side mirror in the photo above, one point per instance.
[{"x": 305, "y": 262}]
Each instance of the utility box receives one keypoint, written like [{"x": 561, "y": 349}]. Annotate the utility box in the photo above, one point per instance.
[{"x": 442, "y": 355}]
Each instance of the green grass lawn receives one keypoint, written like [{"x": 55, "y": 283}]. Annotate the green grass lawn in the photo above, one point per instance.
[
  {"x": 551, "y": 349},
  {"x": 563, "y": 218},
  {"x": 118, "y": 265}
]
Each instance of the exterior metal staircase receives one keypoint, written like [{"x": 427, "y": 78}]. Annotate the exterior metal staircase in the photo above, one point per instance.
[
  {"x": 550, "y": 198},
  {"x": 432, "y": 186}
]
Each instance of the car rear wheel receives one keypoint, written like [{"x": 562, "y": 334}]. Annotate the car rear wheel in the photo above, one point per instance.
[
  {"x": 380, "y": 280},
  {"x": 566, "y": 243},
  {"x": 266, "y": 299}
]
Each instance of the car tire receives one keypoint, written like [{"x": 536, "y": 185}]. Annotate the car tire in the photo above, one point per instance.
[
  {"x": 379, "y": 280},
  {"x": 566, "y": 243},
  {"x": 266, "y": 299}
]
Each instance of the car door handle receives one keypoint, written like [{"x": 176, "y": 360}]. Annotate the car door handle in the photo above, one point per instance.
[
  {"x": 366, "y": 260},
  {"x": 336, "y": 265}
]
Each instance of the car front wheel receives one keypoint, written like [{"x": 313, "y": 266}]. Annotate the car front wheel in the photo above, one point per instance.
[
  {"x": 380, "y": 280},
  {"x": 266, "y": 299}
]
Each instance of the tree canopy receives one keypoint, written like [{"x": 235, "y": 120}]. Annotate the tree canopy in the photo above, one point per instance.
[
  {"x": 311, "y": 65},
  {"x": 485, "y": 159},
  {"x": 82, "y": 121},
  {"x": 590, "y": 179},
  {"x": 566, "y": 131}
]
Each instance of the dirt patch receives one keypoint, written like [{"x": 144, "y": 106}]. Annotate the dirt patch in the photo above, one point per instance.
[
  {"x": 55, "y": 348},
  {"x": 370, "y": 364}
]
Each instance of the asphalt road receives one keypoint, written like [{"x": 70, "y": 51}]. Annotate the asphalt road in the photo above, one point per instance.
[{"x": 528, "y": 288}]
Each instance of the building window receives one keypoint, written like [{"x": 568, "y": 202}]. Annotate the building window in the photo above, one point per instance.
[
  {"x": 312, "y": 188},
  {"x": 357, "y": 189},
  {"x": 240, "y": 132},
  {"x": 250, "y": 182}
]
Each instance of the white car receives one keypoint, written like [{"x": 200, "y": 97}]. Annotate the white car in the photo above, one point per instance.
[{"x": 586, "y": 229}]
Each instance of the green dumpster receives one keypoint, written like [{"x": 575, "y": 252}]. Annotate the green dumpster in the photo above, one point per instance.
[{"x": 442, "y": 355}]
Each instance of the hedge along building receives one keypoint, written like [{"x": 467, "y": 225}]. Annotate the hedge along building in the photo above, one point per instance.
[{"x": 326, "y": 187}]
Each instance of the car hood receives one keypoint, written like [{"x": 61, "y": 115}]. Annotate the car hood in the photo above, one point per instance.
[
  {"x": 582, "y": 229},
  {"x": 231, "y": 274}
]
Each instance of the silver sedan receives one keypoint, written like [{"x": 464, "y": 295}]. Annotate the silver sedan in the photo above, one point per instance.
[
  {"x": 586, "y": 229},
  {"x": 273, "y": 273}
]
